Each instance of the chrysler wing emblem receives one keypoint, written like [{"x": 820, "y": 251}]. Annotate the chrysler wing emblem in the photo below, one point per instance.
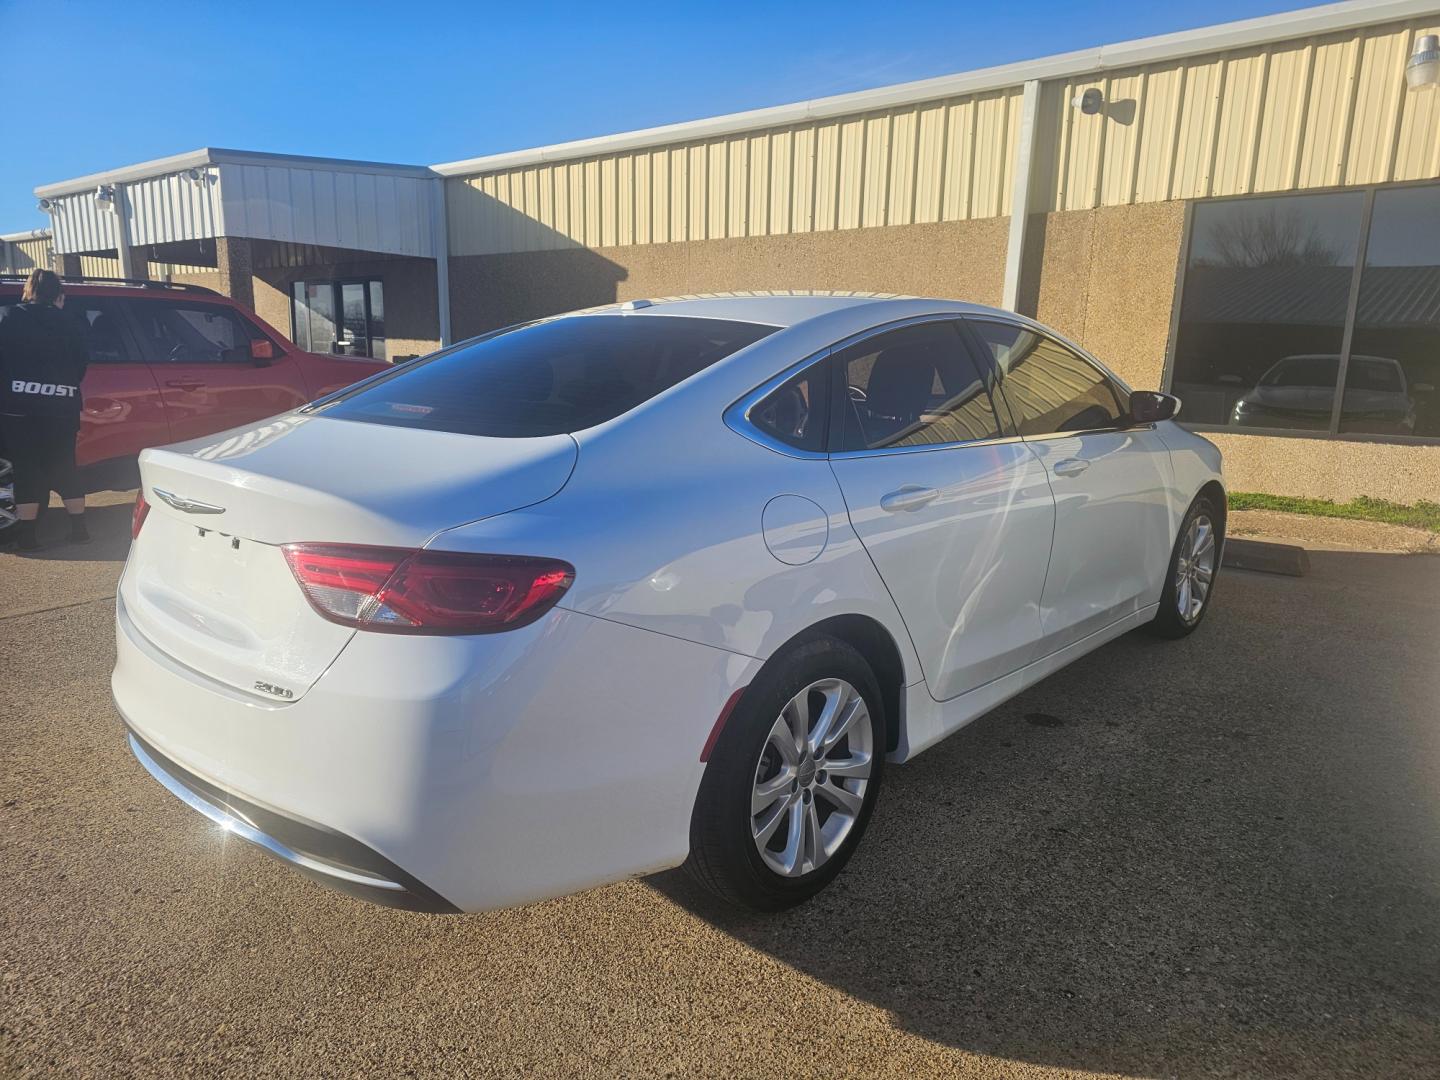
[{"x": 189, "y": 506}]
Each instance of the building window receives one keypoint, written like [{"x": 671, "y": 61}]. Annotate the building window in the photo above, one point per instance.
[
  {"x": 1395, "y": 353},
  {"x": 1286, "y": 299},
  {"x": 343, "y": 317}
]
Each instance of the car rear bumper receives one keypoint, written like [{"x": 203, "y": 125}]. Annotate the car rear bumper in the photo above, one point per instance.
[
  {"x": 474, "y": 772},
  {"x": 333, "y": 859}
]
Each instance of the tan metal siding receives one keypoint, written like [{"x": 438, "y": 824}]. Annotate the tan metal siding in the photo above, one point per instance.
[
  {"x": 1291, "y": 115},
  {"x": 26, "y": 255},
  {"x": 1379, "y": 95},
  {"x": 938, "y": 161},
  {"x": 99, "y": 266}
]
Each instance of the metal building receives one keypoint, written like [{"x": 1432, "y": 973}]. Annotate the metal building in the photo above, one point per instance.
[{"x": 1245, "y": 213}]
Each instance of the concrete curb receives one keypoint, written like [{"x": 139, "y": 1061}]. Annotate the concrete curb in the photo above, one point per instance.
[{"x": 1267, "y": 558}]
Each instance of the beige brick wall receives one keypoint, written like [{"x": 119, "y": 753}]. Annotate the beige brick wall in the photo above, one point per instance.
[
  {"x": 1106, "y": 278},
  {"x": 963, "y": 260},
  {"x": 1330, "y": 468}
]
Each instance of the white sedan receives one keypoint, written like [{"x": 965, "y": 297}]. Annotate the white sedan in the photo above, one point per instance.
[{"x": 664, "y": 582}]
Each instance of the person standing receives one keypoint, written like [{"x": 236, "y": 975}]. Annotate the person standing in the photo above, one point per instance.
[{"x": 42, "y": 361}]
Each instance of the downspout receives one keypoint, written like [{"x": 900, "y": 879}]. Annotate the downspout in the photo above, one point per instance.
[
  {"x": 122, "y": 232},
  {"x": 1020, "y": 193},
  {"x": 440, "y": 241}
]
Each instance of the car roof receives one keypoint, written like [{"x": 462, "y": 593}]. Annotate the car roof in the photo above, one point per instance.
[
  {"x": 1336, "y": 356},
  {"x": 782, "y": 309}
]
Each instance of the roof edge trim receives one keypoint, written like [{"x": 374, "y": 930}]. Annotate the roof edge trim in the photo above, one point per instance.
[{"x": 146, "y": 170}]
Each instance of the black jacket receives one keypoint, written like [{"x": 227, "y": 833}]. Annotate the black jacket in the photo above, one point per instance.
[{"x": 42, "y": 360}]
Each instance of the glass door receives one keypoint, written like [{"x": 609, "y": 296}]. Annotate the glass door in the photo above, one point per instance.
[
  {"x": 314, "y": 315},
  {"x": 343, "y": 317},
  {"x": 354, "y": 325}
]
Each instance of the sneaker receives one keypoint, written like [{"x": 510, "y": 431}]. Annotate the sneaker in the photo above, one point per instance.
[{"x": 79, "y": 532}]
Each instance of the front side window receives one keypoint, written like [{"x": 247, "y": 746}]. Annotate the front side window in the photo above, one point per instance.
[
  {"x": 547, "y": 378},
  {"x": 915, "y": 386},
  {"x": 193, "y": 333},
  {"x": 1262, "y": 318},
  {"x": 1050, "y": 389}
]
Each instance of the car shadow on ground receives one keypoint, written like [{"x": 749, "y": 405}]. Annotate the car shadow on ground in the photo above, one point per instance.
[{"x": 1211, "y": 857}]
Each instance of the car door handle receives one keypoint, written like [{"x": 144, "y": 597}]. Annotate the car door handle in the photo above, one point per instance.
[
  {"x": 1071, "y": 467},
  {"x": 909, "y": 497},
  {"x": 185, "y": 384}
]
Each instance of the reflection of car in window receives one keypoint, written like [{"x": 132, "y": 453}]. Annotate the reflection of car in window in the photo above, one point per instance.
[{"x": 1299, "y": 392}]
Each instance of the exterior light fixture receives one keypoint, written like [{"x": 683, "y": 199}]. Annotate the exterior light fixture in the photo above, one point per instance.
[
  {"x": 105, "y": 195},
  {"x": 45, "y": 205},
  {"x": 1090, "y": 102},
  {"x": 1423, "y": 67}
]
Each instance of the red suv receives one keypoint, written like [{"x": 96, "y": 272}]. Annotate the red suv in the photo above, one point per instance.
[{"x": 176, "y": 362}]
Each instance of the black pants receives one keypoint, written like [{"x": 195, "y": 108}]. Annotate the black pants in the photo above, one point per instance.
[{"x": 42, "y": 450}]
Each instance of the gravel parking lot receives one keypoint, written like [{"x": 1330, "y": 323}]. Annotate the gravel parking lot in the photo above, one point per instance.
[{"x": 1217, "y": 857}]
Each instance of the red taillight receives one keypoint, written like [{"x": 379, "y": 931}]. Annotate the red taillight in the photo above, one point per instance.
[
  {"x": 137, "y": 516},
  {"x": 400, "y": 591}
]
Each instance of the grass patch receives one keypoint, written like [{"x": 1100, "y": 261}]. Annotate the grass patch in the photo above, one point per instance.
[{"x": 1423, "y": 515}]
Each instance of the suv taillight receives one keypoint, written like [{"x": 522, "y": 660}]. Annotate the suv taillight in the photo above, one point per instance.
[
  {"x": 402, "y": 591},
  {"x": 137, "y": 516}
]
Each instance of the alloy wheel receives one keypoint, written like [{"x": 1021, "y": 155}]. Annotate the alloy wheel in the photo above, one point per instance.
[
  {"x": 1195, "y": 568},
  {"x": 810, "y": 782}
]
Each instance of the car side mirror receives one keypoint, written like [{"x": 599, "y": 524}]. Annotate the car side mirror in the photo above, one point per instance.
[
  {"x": 1149, "y": 407},
  {"x": 262, "y": 352}
]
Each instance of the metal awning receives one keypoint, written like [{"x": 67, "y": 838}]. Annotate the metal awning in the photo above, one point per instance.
[{"x": 329, "y": 202}]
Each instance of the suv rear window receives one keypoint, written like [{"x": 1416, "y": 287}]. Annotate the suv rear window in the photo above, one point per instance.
[{"x": 547, "y": 378}]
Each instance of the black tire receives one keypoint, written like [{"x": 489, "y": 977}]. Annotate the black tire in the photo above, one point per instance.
[
  {"x": 724, "y": 856},
  {"x": 1168, "y": 621}
]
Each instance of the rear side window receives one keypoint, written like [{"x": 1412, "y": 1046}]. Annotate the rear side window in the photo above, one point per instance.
[
  {"x": 100, "y": 322},
  {"x": 796, "y": 412},
  {"x": 547, "y": 378},
  {"x": 1049, "y": 388}
]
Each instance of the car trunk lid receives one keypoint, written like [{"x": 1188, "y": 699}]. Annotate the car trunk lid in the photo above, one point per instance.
[{"x": 207, "y": 583}]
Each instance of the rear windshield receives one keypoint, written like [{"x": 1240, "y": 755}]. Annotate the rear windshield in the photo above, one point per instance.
[{"x": 548, "y": 378}]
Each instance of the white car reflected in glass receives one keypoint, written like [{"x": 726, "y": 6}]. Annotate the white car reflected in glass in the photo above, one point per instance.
[{"x": 1299, "y": 392}]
